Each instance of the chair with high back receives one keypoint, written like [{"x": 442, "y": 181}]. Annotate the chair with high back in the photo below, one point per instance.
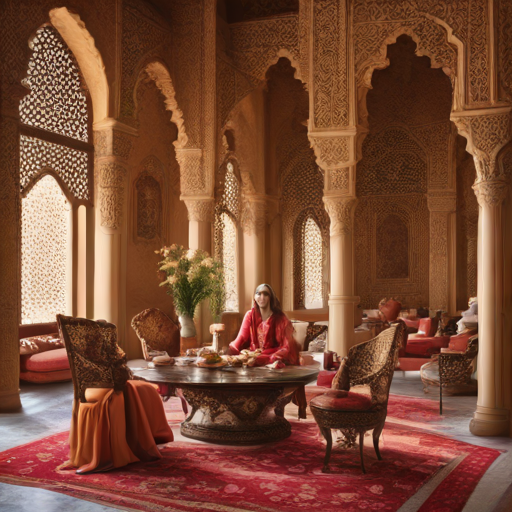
[
  {"x": 157, "y": 332},
  {"x": 115, "y": 420},
  {"x": 370, "y": 364}
]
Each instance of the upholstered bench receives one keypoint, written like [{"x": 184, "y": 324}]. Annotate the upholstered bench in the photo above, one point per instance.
[{"x": 43, "y": 358}]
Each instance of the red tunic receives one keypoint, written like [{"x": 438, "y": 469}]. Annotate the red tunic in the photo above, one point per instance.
[{"x": 278, "y": 341}]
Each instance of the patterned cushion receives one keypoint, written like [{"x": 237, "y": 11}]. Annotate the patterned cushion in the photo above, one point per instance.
[
  {"x": 42, "y": 343},
  {"x": 341, "y": 400}
]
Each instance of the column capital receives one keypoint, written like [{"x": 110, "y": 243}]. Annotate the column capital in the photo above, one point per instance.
[
  {"x": 333, "y": 149},
  {"x": 200, "y": 208},
  {"x": 341, "y": 212},
  {"x": 491, "y": 192},
  {"x": 487, "y": 131}
]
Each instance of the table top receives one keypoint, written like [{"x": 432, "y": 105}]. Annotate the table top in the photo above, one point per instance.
[{"x": 193, "y": 375}]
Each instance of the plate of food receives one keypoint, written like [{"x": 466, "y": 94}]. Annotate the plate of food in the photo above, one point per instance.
[{"x": 211, "y": 360}]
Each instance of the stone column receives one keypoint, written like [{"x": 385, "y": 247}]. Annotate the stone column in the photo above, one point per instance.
[
  {"x": 253, "y": 221},
  {"x": 342, "y": 301},
  {"x": 200, "y": 227},
  {"x": 442, "y": 207},
  {"x": 112, "y": 149},
  {"x": 490, "y": 418},
  {"x": 487, "y": 132},
  {"x": 10, "y": 256}
]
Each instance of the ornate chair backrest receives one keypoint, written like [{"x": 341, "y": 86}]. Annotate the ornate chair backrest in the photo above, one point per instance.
[
  {"x": 373, "y": 362},
  {"x": 95, "y": 359},
  {"x": 457, "y": 368},
  {"x": 157, "y": 331}
]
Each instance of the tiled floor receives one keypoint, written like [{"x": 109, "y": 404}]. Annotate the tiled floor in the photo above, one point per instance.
[{"x": 46, "y": 410}]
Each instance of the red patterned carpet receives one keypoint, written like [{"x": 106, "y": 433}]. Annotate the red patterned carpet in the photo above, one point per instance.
[{"x": 283, "y": 476}]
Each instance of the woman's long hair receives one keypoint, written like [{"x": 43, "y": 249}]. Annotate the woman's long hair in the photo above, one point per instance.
[{"x": 275, "y": 305}]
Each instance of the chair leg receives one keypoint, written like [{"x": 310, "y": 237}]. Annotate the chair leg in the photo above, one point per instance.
[
  {"x": 377, "y": 431},
  {"x": 361, "y": 446},
  {"x": 184, "y": 405},
  {"x": 326, "y": 432}
]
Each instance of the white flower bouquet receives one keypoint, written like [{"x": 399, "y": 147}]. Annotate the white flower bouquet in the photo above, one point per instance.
[{"x": 191, "y": 277}]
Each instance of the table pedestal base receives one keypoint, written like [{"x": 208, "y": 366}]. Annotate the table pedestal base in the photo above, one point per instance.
[{"x": 242, "y": 416}]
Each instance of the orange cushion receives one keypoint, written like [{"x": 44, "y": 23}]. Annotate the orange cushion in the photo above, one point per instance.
[
  {"x": 339, "y": 400},
  {"x": 50, "y": 361}
]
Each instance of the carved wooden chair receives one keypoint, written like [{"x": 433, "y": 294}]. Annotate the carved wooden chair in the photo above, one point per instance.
[
  {"x": 115, "y": 420},
  {"x": 456, "y": 368},
  {"x": 157, "y": 332},
  {"x": 370, "y": 364}
]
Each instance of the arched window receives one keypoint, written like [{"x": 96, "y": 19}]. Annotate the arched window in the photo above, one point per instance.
[
  {"x": 310, "y": 262},
  {"x": 226, "y": 234},
  {"x": 55, "y": 180},
  {"x": 313, "y": 263}
]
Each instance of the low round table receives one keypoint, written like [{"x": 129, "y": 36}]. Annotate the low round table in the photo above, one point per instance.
[{"x": 234, "y": 406}]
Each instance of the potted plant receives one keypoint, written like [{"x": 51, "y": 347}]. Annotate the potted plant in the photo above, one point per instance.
[{"x": 191, "y": 276}]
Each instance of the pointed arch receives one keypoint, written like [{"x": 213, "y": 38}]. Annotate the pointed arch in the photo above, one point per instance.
[
  {"x": 159, "y": 73},
  {"x": 81, "y": 43}
]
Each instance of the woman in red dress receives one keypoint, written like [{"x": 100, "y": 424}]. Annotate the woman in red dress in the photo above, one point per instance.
[{"x": 266, "y": 327}]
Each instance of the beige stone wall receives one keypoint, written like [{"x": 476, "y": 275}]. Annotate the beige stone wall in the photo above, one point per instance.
[{"x": 152, "y": 156}]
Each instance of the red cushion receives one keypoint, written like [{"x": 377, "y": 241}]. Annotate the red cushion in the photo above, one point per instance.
[
  {"x": 460, "y": 341},
  {"x": 414, "y": 324},
  {"x": 339, "y": 400},
  {"x": 45, "y": 377},
  {"x": 51, "y": 361},
  {"x": 325, "y": 378},
  {"x": 410, "y": 364},
  {"x": 426, "y": 346}
]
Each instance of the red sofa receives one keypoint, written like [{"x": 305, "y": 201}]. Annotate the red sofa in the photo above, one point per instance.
[{"x": 50, "y": 363}]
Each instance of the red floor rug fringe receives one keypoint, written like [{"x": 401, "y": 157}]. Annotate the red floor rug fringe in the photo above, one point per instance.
[{"x": 283, "y": 477}]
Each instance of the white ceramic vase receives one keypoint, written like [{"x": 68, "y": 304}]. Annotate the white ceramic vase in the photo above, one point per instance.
[{"x": 188, "y": 329}]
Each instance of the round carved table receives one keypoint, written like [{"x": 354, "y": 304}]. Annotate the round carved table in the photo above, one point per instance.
[{"x": 233, "y": 406}]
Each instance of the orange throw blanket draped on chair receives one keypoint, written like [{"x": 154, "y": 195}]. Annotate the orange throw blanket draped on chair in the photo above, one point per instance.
[{"x": 116, "y": 428}]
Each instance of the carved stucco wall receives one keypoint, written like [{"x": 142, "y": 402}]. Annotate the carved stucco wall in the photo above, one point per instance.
[
  {"x": 405, "y": 156},
  {"x": 377, "y": 22},
  {"x": 154, "y": 160},
  {"x": 293, "y": 174}
]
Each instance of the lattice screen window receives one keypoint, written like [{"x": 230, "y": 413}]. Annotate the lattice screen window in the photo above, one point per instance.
[
  {"x": 45, "y": 252},
  {"x": 54, "y": 143},
  {"x": 56, "y": 101},
  {"x": 313, "y": 265},
  {"x": 226, "y": 235}
]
